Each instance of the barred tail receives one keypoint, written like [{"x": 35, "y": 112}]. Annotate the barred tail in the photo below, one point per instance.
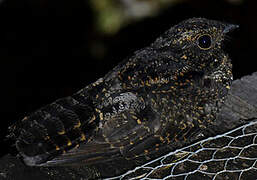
[{"x": 54, "y": 129}]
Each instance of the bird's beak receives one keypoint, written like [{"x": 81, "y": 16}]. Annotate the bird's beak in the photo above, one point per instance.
[{"x": 230, "y": 27}]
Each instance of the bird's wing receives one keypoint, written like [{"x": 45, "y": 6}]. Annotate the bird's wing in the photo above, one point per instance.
[{"x": 123, "y": 135}]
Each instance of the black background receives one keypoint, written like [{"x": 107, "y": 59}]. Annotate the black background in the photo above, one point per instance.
[{"x": 46, "y": 47}]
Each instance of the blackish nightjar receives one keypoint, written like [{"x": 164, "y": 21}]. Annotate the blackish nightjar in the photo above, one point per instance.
[{"x": 164, "y": 96}]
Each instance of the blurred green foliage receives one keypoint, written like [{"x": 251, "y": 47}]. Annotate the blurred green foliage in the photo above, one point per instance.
[{"x": 111, "y": 15}]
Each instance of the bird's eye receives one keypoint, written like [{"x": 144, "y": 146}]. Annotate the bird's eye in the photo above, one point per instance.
[{"x": 204, "y": 41}]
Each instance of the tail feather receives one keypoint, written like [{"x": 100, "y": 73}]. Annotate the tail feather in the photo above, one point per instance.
[{"x": 54, "y": 129}]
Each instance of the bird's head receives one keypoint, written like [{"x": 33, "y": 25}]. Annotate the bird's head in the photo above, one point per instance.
[{"x": 197, "y": 44}]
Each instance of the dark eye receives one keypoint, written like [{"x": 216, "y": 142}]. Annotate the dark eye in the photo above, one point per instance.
[{"x": 204, "y": 41}]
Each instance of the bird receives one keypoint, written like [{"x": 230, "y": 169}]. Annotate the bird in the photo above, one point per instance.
[{"x": 163, "y": 96}]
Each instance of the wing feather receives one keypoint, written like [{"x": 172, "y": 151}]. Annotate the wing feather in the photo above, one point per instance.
[{"x": 126, "y": 135}]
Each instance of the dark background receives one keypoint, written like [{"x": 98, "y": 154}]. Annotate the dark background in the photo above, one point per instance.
[{"x": 51, "y": 49}]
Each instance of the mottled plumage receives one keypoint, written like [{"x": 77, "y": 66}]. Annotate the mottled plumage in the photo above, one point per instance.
[{"x": 162, "y": 97}]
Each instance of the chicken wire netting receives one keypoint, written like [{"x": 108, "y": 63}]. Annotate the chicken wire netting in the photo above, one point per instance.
[{"x": 232, "y": 155}]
